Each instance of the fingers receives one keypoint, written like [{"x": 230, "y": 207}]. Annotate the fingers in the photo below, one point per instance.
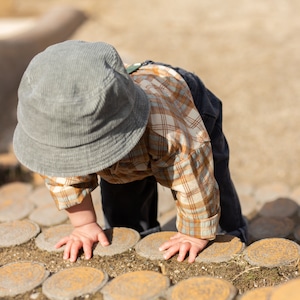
[
  {"x": 183, "y": 251},
  {"x": 74, "y": 249},
  {"x": 171, "y": 251},
  {"x": 61, "y": 242},
  {"x": 183, "y": 245},
  {"x": 193, "y": 254},
  {"x": 87, "y": 249},
  {"x": 102, "y": 238}
]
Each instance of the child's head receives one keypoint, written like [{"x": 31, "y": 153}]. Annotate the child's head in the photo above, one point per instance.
[{"x": 79, "y": 111}]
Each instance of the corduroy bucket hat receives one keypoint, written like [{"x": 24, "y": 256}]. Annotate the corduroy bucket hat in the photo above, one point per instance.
[{"x": 79, "y": 111}]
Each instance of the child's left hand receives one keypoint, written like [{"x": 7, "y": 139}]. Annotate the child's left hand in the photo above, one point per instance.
[{"x": 183, "y": 244}]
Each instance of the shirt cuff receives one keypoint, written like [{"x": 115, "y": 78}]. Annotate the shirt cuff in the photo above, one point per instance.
[{"x": 199, "y": 228}]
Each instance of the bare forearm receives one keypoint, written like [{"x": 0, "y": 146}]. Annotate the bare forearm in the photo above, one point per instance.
[{"x": 83, "y": 213}]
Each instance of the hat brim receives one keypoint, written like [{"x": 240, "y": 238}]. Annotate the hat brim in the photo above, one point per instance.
[{"x": 85, "y": 159}]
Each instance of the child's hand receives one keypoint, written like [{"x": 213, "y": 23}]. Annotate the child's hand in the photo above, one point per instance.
[
  {"x": 82, "y": 237},
  {"x": 183, "y": 244}
]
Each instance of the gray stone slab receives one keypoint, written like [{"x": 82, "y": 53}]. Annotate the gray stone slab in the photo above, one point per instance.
[
  {"x": 144, "y": 285},
  {"x": 48, "y": 215},
  {"x": 148, "y": 246},
  {"x": 14, "y": 208},
  {"x": 204, "y": 288},
  {"x": 40, "y": 196},
  {"x": 17, "y": 232},
  {"x": 268, "y": 227},
  {"x": 21, "y": 277},
  {"x": 74, "y": 282},
  {"x": 121, "y": 239},
  {"x": 47, "y": 239},
  {"x": 273, "y": 252},
  {"x": 223, "y": 248},
  {"x": 279, "y": 208},
  {"x": 286, "y": 291}
]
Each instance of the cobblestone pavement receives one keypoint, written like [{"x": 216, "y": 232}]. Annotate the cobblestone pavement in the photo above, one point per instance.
[{"x": 28, "y": 213}]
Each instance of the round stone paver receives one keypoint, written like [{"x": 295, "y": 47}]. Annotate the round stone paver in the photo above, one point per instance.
[
  {"x": 222, "y": 249},
  {"x": 121, "y": 239},
  {"x": 268, "y": 227},
  {"x": 14, "y": 204},
  {"x": 17, "y": 232},
  {"x": 47, "y": 239},
  {"x": 41, "y": 196},
  {"x": 286, "y": 291},
  {"x": 272, "y": 252},
  {"x": 204, "y": 288},
  {"x": 48, "y": 215},
  {"x": 136, "y": 285},
  {"x": 257, "y": 294},
  {"x": 279, "y": 208},
  {"x": 74, "y": 282},
  {"x": 21, "y": 277},
  {"x": 15, "y": 189},
  {"x": 148, "y": 246},
  {"x": 14, "y": 208}
]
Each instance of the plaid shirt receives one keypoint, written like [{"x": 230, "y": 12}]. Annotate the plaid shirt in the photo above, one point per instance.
[{"x": 175, "y": 148}]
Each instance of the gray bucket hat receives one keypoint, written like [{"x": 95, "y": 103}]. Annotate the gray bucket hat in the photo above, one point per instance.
[{"x": 79, "y": 111}]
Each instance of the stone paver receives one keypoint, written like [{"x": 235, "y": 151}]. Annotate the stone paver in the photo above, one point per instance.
[
  {"x": 286, "y": 291},
  {"x": 14, "y": 204},
  {"x": 17, "y": 232},
  {"x": 146, "y": 285},
  {"x": 14, "y": 208},
  {"x": 41, "y": 196},
  {"x": 270, "y": 222},
  {"x": 257, "y": 294},
  {"x": 74, "y": 282},
  {"x": 21, "y": 277},
  {"x": 47, "y": 239},
  {"x": 272, "y": 252},
  {"x": 15, "y": 189},
  {"x": 148, "y": 246},
  {"x": 121, "y": 240},
  {"x": 204, "y": 288},
  {"x": 279, "y": 208},
  {"x": 267, "y": 227},
  {"x": 48, "y": 215},
  {"x": 222, "y": 249}
]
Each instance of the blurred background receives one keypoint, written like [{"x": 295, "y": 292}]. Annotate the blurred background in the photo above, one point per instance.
[{"x": 246, "y": 52}]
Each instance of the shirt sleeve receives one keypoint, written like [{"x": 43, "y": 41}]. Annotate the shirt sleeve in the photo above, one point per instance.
[
  {"x": 192, "y": 179},
  {"x": 70, "y": 191}
]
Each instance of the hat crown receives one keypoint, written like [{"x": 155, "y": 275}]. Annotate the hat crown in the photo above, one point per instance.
[{"x": 74, "y": 93}]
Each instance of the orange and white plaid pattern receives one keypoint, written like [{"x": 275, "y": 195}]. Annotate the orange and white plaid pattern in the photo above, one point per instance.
[{"x": 175, "y": 148}]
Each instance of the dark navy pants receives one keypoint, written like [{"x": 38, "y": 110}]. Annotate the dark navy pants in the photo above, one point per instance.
[{"x": 134, "y": 204}]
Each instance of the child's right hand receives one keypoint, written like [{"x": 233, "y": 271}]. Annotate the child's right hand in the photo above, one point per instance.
[{"x": 83, "y": 236}]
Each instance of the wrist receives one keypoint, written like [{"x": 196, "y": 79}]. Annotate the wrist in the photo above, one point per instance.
[{"x": 83, "y": 213}]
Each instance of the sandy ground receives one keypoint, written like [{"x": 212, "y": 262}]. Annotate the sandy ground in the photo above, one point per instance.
[{"x": 246, "y": 52}]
